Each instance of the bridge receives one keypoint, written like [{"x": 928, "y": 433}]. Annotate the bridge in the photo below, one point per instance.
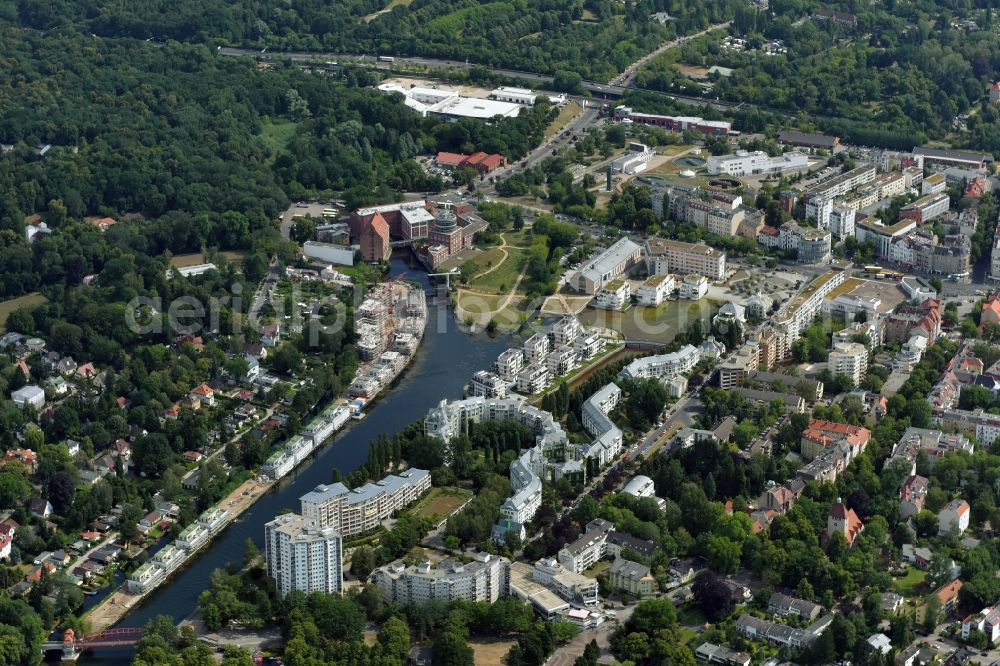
[{"x": 71, "y": 645}]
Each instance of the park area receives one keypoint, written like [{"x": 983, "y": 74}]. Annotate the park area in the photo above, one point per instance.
[
  {"x": 6, "y": 307},
  {"x": 660, "y": 324},
  {"x": 441, "y": 502}
]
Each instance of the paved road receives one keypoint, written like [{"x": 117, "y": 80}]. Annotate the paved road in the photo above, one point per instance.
[
  {"x": 566, "y": 655},
  {"x": 627, "y": 78}
]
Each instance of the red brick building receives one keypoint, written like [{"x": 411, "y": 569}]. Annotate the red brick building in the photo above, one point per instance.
[{"x": 374, "y": 239}]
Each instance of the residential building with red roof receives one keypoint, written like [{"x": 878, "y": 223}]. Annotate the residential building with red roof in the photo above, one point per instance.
[
  {"x": 205, "y": 394},
  {"x": 977, "y": 187},
  {"x": 26, "y": 457},
  {"x": 995, "y": 93},
  {"x": 991, "y": 310},
  {"x": 912, "y": 494},
  {"x": 842, "y": 520},
  {"x": 821, "y": 434}
]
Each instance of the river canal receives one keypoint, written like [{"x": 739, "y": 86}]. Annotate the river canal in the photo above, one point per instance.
[{"x": 444, "y": 364}]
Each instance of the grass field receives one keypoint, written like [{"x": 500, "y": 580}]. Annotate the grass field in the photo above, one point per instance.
[
  {"x": 910, "y": 584},
  {"x": 6, "y": 307},
  {"x": 440, "y": 502},
  {"x": 490, "y": 653},
  {"x": 501, "y": 279},
  {"x": 276, "y": 136},
  {"x": 595, "y": 571},
  {"x": 650, "y": 324},
  {"x": 182, "y": 260}
]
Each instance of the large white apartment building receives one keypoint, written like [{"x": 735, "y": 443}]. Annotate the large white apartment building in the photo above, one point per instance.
[
  {"x": 509, "y": 364},
  {"x": 850, "y": 359},
  {"x": 615, "y": 295},
  {"x": 819, "y": 199},
  {"x": 355, "y": 511},
  {"x": 799, "y": 311},
  {"x": 302, "y": 556},
  {"x": 670, "y": 256},
  {"x": 486, "y": 578},
  {"x": 663, "y": 366},
  {"x": 872, "y": 229},
  {"x": 610, "y": 264},
  {"x": 655, "y": 290},
  {"x": 487, "y": 384},
  {"x": 536, "y": 349},
  {"x": 842, "y": 221},
  {"x": 693, "y": 287},
  {"x": 566, "y": 330},
  {"x": 747, "y": 163}
]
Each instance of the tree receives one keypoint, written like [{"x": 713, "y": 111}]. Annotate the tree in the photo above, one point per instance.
[
  {"x": 14, "y": 488},
  {"x": 932, "y": 613},
  {"x": 451, "y": 649},
  {"x": 362, "y": 562},
  {"x": 152, "y": 454},
  {"x": 712, "y": 595},
  {"x": 394, "y": 640},
  {"x": 61, "y": 491}
]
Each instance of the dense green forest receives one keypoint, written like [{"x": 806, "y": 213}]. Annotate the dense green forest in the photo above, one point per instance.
[
  {"x": 595, "y": 38},
  {"x": 191, "y": 144},
  {"x": 904, "y": 71}
]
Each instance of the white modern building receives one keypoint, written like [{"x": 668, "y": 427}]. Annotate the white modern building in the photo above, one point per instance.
[
  {"x": 655, "y": 290},
  {"x": 352, "y": 512},
  {"x": 663, "y": 365},
  {"x": 486, "y": 578},
  {"x": 487, "y": 385},
  {"x": 609, "y": 265},
  {"x": 330, "y": 253},
  {"x": 850, "y": 359},
  {"x": 514, "y": 95},
  {"x": 744, "y": 163},
  {"x": 842, "y": 221},
  {"x": 302, "y": 556},
  {"x": 614, "y": 295},
  {"x": 694, "y": 287}
]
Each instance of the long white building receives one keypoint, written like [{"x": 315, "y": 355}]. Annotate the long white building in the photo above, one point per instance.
[
  {"x": 663, "y": 365},
  {"x": 302, "y": 556},
  {"x": 800, "y": 311},
  {"x": 487, "y": 578},
  {"x": 747, "y": 163},
  {"x": 610, "y": 264},
  {"x": 356, "y": 511}
]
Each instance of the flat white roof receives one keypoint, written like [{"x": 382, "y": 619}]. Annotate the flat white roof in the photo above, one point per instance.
[
  {"x": 470, "y": 107},
  {"x": 514, "y": 91}
]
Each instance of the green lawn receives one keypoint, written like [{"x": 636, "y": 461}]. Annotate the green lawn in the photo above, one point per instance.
[
  {"x": 691, "y": 616},
  {"x": 6, "y": 307},
  {"x": 909, "y": 584},
  {"x": 441, "y": 502},
  {"x": 276, "y": 135},
  {"x": 652, "y": 324},
  {"x": 595, "y": 571}
]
